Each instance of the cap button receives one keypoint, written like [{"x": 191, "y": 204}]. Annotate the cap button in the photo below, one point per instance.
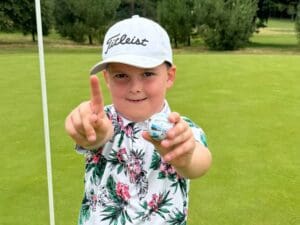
[{"x": 135, "y": 16}]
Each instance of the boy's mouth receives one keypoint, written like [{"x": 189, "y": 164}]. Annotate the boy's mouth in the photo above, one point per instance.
[{"x": 137, "y": 100}]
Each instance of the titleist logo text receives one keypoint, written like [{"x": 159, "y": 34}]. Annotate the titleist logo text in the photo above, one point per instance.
[{"x": 124, "y": 40}]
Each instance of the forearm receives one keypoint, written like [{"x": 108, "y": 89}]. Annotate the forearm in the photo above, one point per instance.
[{"x": 197, "y": 164}]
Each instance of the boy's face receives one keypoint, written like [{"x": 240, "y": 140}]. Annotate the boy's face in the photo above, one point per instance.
[{"x": 138, "y": 93}]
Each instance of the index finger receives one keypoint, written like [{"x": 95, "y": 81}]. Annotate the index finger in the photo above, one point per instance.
[{"x": 96, "y": 95}]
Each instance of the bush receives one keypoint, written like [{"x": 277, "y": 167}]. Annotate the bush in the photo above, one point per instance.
[{"x": 226, "y": 25}]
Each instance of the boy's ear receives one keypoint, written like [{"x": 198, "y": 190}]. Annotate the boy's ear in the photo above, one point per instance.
[{"x": 171, "y": 76}]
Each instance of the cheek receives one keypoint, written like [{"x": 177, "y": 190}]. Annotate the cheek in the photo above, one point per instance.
[
  {"x": 117, "y": 91},
  {"x": 158, "y": 87}
]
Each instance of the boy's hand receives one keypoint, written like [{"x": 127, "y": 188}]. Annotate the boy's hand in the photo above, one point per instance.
[
  {"x": 179, "y": 145},
  {"x": 88, "y": 124}
]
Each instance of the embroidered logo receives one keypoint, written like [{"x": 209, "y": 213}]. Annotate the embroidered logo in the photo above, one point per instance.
[{"x": 124, "y": 39}]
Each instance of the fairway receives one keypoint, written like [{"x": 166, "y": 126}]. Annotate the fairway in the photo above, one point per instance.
[{"x": 247, "y": 104}]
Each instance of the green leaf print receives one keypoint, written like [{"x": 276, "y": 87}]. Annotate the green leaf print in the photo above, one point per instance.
[
  {"x": 177, "y": 218},
  {"x": 167, "y": 171},
  {"x": 116, "y": 210},
  {"x": 203, "y": 139},
  {"x": 159, "y": 204},
  {"x": 192, "y": 124},
  {"x": 111, "y": 187},
  {"x": 121, "y": 139},
  {"x": 98, "y": 170},
  {"x": 189, "y": 121},
  {"x": 155, "y": 162},
  {"x": 84, "y": 211},
  {"x": 117, "y": 158},
  {"x": 181, "y": 183}
]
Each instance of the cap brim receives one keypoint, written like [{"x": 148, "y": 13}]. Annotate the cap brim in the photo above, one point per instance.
[{"x": 140, "y": 61}]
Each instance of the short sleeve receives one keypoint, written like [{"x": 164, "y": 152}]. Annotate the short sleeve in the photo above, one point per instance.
[{"x": 197, "y": 131}]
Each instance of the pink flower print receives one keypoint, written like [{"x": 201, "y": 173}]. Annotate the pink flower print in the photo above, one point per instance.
[
  {"x": 135, "y": 169},
  {"x": 163, "y": 168},
  {"x": 167, "y": 169},
  {"x": 171, "y": 170},
  {"x": 128, "y": 131},
  {"x": 123, "y": 191},
  {"x": 120, "y": 121},
  {"x": 121, "y": 155},
  {"x": 94, "y": 201},
  {"x": 96, "y": 158},
  {"x": 153, "y": 204}
]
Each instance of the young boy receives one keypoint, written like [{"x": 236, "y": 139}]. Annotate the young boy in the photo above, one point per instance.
[{"x": 131, "y": 178}]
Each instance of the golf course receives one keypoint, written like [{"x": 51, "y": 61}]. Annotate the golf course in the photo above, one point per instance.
[{"x": 247, "y": 102}]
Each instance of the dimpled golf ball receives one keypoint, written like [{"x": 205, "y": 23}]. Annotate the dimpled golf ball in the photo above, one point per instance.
[{"x": 158, "y": 126}]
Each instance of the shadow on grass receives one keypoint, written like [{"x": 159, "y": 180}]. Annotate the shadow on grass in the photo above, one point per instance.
[{"x": 274, "y": 45}]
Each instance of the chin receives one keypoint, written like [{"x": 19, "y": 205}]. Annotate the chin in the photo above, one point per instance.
[{"x": 136, "y": 116}]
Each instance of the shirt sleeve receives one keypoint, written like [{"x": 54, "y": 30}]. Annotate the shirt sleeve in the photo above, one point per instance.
[
  {"x": 79, "y": 149},
  {"x": 197, "y": 131}
]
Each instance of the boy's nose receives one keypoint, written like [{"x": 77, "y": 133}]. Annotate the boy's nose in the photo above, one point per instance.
[{"x": 136, "y": 86}]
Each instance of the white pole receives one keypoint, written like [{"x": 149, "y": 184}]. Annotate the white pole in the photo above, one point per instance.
[{"x": 45, "y": 110}]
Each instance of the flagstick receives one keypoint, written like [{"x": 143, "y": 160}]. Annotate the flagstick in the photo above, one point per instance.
[{"x": 45, "y": 110}]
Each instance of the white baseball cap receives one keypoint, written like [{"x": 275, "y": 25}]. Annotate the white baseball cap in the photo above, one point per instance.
[{"x": 136, "y": 41}]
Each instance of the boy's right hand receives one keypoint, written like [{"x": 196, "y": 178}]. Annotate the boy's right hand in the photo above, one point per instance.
[{"x": 88, "y": 124}]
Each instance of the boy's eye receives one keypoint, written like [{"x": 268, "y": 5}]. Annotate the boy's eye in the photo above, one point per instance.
[
  {"x": 120, "y": 76},
  {"x": 149, "y": 74}
]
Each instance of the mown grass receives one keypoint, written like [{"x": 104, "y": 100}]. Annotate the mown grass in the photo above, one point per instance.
[
  {"x": 248, "y": 104},
  {"x": 278, "y": 36}
]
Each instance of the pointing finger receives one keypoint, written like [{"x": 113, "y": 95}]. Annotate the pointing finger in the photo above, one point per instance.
[{"x": 96, "y": 95}]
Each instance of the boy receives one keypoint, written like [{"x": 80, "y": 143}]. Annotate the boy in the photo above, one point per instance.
[{"x": 131, "y": 178}]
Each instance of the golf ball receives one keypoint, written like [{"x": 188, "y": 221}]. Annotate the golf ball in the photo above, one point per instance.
[{"x": 158, "y": 126}]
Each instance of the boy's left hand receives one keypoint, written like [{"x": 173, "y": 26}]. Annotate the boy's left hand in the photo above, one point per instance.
[{"x": 178, "y": 147}]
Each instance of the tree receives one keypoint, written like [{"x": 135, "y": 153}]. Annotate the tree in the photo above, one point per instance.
[
  {"x": 20, "y": 15},
  {"x": 145, "y": 8},
  {"x": 297, "y": 24},
  {"x": 176, "y": 16},
  {"x": 263, "y": 12},
  {"x": 283, "y": 8},
  {"x": 6, "y": 24},
  {"x": 81, "y": 19},
  {"x": 226, "y": 25}
]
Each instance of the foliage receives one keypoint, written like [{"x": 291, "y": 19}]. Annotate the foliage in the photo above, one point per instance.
[
  {"x": 177, "y": 18},
  {"x": 297, "y": 23},
  {"x": 283, "y": 8},
  {"x": 20, "y": 15},
  {"x": 145, "y": 8},
  {"x": 76, "y": 21},
  {"x": 217, "y": 20},
  {"x": 263, "y": 12},
  {"x": 6, "y": 24},
  {"x": 226, "y": 25}
]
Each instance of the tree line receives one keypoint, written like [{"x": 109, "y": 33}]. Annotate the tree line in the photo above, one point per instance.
[{"x": 222, "y": 24}]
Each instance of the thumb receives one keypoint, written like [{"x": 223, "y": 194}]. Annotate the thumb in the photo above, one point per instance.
[{"x": 147, "y": 137}]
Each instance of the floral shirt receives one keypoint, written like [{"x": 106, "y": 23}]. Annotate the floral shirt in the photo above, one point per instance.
[{"x": 127, "y": 182}]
